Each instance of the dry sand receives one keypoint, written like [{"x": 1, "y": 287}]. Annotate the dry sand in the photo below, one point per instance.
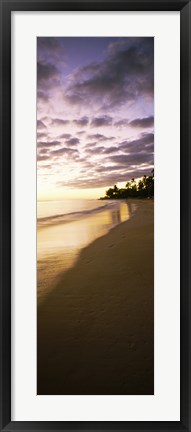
[{"x": 96, "y": 328}]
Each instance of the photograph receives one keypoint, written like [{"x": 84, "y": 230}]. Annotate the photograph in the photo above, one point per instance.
[
  {"x": 95, "y": 215},
  {"x": 95, "y": 114}
]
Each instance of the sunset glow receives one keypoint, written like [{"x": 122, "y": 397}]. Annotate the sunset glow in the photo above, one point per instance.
[{"x": 95, "y": 125}]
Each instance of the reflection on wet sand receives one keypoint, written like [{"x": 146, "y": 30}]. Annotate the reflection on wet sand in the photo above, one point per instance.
[
  {"x": 59, "y": 245},
  {"x": 96, "y": 327}
]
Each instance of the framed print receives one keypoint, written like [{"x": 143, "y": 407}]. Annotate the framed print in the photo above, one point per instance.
[
  {"x": 95, "y": 215},
  {"x": 94, "y": 148}
]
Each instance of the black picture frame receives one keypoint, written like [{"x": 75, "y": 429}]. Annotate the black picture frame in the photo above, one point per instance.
[{"x": 6, "y": 7}]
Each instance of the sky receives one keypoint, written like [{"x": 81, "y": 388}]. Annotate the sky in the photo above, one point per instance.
[{"x": 95, "y": 114}]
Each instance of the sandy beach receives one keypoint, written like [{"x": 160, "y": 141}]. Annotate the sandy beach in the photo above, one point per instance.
[{"x": 95, "y": 329}]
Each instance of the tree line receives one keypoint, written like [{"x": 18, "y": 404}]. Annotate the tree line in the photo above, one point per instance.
[{"x": 144, "y": 188}]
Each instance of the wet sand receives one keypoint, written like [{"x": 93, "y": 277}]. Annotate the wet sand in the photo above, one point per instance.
[{"x": 95, "y": 330}]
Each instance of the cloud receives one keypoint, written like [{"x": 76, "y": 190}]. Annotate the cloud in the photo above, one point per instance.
[
  {"x": 133, "y": 158},
  {"x": 43, "y": 151},
  {"x": 41, "y": 135},
  {"x": 100, "y": 137},
  {"x": 101, "y": 121},
  {"x": 81, "y": 121},
  {"x": 106, "y": 179},
  {"x": 64, "y": 151},
  {"x": 73, "y": 141},
  {"x": 81, "y": 132},
  {"x": 140, "y": 144},
  {"x": 111, "y": 168},
  {"x": 59, "y": 122},
  {"x": 42, "y": 96},
  {"x": 42, "y": 157},
  {"x": 73, "y": 99},
  {"x": 47, "y": 166},
  {"x": 142, "y": 122},
  {"x": 51, "y": 58},
  {"x": 145, "y": 122},
  {"x": 78, "y": 106},
  {"x": 45, "y": 72},
  {"x": 50, "y": 48},
  {"x": 104, "y": 150},
  {"x": 123, "y": 122},
  {"x": 95, "y": 150},
  {"x": 40, "y": 125},
  {"x": 47, "y": 144},
  {"x": 109, "y": 150},
  {"x": 127, "y": 149},
  {"x": 126, "y": 73},
  {"x": 65, "y": 135},
  {"x": 91, "y": 144}
]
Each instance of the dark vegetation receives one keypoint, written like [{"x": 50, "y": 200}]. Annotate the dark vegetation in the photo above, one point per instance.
[{"x": 142, "y": 189}]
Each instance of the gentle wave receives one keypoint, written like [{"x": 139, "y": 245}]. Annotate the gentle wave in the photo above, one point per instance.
[{"x": 68, "y": 217}]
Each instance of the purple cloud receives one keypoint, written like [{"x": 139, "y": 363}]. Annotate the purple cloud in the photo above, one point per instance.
[{"x": 101, "y": 121}]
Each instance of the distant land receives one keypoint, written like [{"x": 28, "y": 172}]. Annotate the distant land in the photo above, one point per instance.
[{"x": 144, "y": 188}]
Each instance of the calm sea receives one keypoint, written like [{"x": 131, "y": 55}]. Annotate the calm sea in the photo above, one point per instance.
[{"x": 65, "y": 227}]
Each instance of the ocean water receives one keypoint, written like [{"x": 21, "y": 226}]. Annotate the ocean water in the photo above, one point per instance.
[{"x": 65, "y": 227}]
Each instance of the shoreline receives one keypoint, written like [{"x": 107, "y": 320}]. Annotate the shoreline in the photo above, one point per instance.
[
  {"x": 60, "y": 244},
  {"x": 96, "y": 328},
  {"x": 62, "y": 218}
]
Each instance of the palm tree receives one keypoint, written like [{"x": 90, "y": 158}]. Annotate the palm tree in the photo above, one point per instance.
[
  {"x": 145, "y": 188},
  {"x": 128, "y": 185}
]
